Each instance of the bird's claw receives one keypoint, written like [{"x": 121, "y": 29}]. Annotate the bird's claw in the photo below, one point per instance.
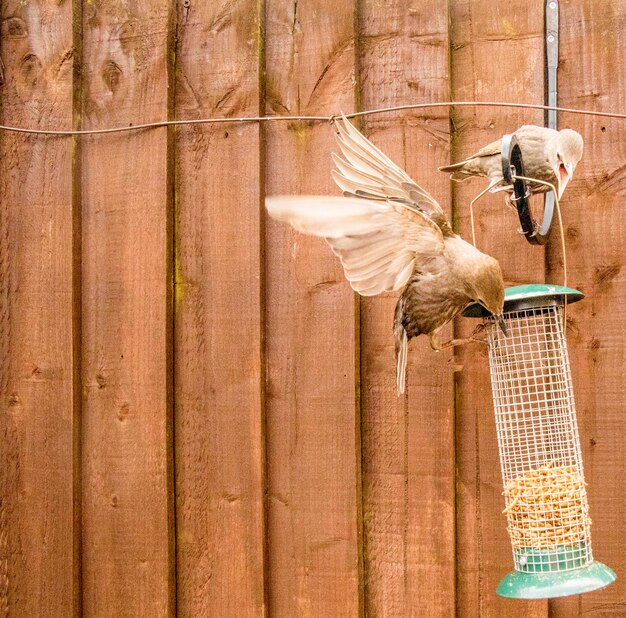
[
  {"x": 478, "y": 330},
  {"x": 478, "y": 340}
]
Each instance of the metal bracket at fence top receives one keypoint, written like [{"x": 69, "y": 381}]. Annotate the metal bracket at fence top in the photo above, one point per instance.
[
  {"x": 513, "y": 165},
  {"x": 552, "y": 62}
]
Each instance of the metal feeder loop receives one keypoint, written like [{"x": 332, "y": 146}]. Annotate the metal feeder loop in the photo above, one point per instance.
[
  {"x": 542, "y": 472},
  {"x": 513, "y": 166}
]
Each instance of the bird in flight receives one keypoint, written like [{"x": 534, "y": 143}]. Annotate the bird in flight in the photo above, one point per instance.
[
  {"x": 390, "y": 234},
  {"x": 549, "y": 155}
]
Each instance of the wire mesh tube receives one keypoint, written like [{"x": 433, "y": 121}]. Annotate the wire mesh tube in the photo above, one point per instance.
[
  {"x": 544, "y": 485},
  {"x": 540, "y": 454}
]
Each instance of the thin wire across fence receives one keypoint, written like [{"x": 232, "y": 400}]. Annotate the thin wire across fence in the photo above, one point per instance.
[{"x": 382, "y": 110}]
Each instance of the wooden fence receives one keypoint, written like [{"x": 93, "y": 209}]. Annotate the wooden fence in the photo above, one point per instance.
[{"x": 197, "y": 414}]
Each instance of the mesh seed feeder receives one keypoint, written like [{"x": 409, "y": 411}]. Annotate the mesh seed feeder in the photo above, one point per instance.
[{"x": 544, "y": 489}]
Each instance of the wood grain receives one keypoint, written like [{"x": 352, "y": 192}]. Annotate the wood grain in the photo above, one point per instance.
[
  {"x": 202, "y": 334},
  {"x": 497, "y": 54},
  {"x": 408, "y": 442},
  {"x": 38, "y": 333},
  {"x": 312, "y": 342},
  {"x": 593, "y": 45},
  {"x": 219, "y": 364},
  {"x": 127, "y": 538}
]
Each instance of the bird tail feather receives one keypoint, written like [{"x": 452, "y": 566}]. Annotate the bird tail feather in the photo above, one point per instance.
[
  {"x": 456, "y": 171},
  {"x": 402, "y": 348}
]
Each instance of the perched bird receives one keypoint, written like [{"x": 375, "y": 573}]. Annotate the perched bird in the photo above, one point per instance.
[
  {"x": 390, "y": 234},
  {"x": 548, "y": 155}
]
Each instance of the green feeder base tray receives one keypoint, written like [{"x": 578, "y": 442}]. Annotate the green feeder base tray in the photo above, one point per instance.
[{"x": 518, "y": 585}]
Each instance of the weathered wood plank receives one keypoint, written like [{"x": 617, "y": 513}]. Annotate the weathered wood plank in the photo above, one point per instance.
[
  {"x": 312, "y": 343},
  {"x": 219, "y": 373},
  {"x": 497, "y": 53},
  {"x": 126, "y": 295},
  {"x": 408, "y": 443},
  {"x": 39, "y": 418},
  {"x": 593, "y": 46}
]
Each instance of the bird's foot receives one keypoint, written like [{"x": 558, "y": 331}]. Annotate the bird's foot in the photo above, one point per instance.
[
  {"x": 478, "y": 330},
  {"x": 476, "y": 336},
  {"x": 453, "y": 343},
  {"x": 479, "y": 334},
  {"x": 513, "y": 210},
  {"x": 483, "y": 340}
]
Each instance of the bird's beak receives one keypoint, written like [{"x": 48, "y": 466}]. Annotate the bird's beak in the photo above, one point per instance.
[
  {"x": 566, "y": 170},
  {"x": 501, "y": 324}
]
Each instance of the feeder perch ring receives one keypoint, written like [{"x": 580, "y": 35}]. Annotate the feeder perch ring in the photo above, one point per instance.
[{"x": 512, "y": 168}]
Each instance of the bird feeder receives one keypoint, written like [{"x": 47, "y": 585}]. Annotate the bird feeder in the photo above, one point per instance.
[{"x": 542, "y": 472}]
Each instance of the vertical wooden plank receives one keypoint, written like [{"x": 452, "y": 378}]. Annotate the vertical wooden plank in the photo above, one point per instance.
[
  {"x": 38, "y": 333},
  {"x": 408, "y": 443},
  {"x": 126, "y": 332},
  {"x": 593, "y": 45},
  {"x": 497, "y": 54},
  {"x": 311, "y": 339},
  {"x": 219, "y": 376}
]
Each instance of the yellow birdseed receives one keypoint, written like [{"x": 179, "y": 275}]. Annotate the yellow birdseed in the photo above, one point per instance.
[{"x": 547, "y": 507}]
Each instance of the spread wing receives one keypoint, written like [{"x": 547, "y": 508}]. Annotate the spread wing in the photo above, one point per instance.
[
  {"x": 365, "y": 171},
  {"x": 379, "y": 242}
]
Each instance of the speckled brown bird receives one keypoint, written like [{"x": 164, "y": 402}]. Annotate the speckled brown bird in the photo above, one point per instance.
[
  {"x": 391, "y": 234},
  {"x": 548, "y": 155}
]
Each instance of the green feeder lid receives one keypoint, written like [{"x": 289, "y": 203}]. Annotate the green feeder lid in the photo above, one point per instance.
[
  {"x": 528, "y": 296},
  {"x": 517, "y": 585}
]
